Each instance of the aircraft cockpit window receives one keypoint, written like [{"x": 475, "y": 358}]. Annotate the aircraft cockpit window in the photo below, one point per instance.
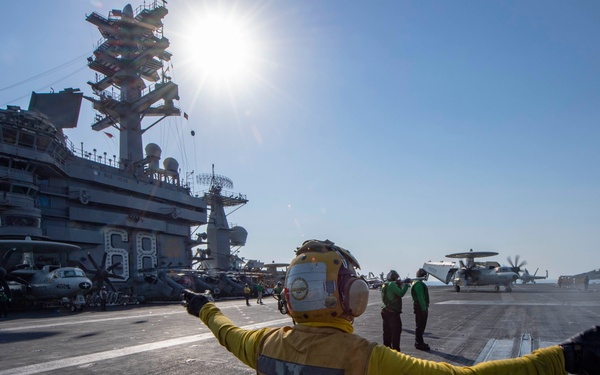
[
  {"x": 73, "y": 273},
  {"x": 69, "y": 273},
  {"x": 79, "y": 273}
]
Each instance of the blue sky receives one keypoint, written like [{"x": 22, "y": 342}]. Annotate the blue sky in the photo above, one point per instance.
[{"x": 401, "y": 130}]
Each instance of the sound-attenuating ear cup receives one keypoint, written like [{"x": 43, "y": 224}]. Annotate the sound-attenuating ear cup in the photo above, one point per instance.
[{"x": 355, "y": 295}]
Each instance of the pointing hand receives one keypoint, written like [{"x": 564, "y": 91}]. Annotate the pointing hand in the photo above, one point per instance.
[{"x": 193, "y": 302}]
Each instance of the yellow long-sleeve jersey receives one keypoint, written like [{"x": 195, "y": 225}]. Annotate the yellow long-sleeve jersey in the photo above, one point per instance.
[{"x": 322, "y": 347}]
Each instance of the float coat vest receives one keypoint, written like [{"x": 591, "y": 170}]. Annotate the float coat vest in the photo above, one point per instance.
[{"x": 313, "y": 350}]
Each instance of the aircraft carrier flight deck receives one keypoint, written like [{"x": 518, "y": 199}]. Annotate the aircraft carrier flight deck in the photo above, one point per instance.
[{"x": 464, "y": 328}]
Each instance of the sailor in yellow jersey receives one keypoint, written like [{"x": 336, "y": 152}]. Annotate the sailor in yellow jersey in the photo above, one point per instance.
[{"x": 324, "y": 295}]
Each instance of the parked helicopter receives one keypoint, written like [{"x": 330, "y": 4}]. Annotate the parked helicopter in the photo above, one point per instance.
[
  {"x": 526, "y": 277},
  {"x": 471, "y": 273},
  {"x": 48, "y": 285}
]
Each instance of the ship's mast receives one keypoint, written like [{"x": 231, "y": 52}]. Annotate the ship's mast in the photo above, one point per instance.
[
  {"x": 132, "y": 52},
  {"x": 220, "y": 237}
]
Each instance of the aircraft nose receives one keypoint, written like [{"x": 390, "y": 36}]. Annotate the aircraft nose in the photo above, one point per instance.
[{"x": 85, "y": 285}]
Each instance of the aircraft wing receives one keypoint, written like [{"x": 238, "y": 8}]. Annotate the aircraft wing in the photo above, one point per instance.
[{"x": 443, "y": 271}]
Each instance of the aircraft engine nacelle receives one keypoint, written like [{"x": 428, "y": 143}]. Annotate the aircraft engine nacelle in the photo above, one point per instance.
[{"x": 443, "y": 271}]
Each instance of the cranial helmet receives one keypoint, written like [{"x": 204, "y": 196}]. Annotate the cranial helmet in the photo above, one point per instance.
[
  {"x": 392, "y": 275},
  {"x": 421, "y": 272},
  {"x": 321, "y": 284}
]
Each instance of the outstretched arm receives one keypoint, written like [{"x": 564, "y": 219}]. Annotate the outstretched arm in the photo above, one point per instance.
[
  {"x": 240, "y": 342},
  {"x": 547, "y": 361}
]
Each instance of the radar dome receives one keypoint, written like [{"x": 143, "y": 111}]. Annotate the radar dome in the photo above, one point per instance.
[
  {"x": 171, "y": 164},
  {"x": 238, "y": 236},
  {"x": 128, "y": 11},
  {"x": 153, "y": 150}
]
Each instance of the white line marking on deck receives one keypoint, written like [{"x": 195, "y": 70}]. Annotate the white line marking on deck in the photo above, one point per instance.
[{"x": 115, "y": 353}]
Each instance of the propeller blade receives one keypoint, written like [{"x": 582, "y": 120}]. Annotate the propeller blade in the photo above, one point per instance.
[
  {"x": 93, "y": 261},
  {"x": 114, "y": 276},
  {"x": 104, "y": 260},
  {"x": 83, "y": 268},
  {"x": 111, "y": 285},
  {"x": 113, "y": 266},
  {"x": 516, "y": 266}
]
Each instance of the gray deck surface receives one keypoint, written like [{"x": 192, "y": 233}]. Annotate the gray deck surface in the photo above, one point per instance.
[{"x": 464, "y": 328}]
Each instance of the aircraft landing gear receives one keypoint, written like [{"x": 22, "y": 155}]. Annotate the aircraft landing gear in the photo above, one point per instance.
[
  {"x": 508, "y": 289},
  {"x": 457, "y": 288},
  {"x": 496, "y": 288}
]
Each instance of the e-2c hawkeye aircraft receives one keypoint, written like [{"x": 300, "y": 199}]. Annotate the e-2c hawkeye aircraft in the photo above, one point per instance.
[
  {"x": 40, "y": 280},
  {"x": 472, "y": 273}
]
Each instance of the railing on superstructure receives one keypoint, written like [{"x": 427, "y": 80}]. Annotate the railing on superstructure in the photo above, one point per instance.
[{"x": 20, "y": 128}]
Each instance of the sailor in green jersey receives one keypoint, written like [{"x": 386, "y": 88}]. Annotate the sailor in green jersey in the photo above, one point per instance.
[
  {"x": 259, "y": 291},
  {"x": 420, "y": 296},
  {"x": 392, "y": 292},
  {"x": 278, "y": 289}
]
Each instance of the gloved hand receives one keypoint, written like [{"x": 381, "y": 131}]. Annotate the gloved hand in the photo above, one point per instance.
[
  {"x": 582, "y": 352},
  {"x": 407, "y": 280},
  {"x": 193, "y": 301}
]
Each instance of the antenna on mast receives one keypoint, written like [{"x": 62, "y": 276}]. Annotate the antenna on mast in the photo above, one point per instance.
[{"x": 214, "y": 181}]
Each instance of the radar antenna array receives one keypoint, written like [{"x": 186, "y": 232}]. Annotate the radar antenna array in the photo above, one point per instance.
[{"x": 214, "y": 180}]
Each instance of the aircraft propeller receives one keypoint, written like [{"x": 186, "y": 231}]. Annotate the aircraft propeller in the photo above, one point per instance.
[
  {"x": 102, "y": 273},
  {"x": 516, "y": 266},
  {"x": 5, "y": 276},
  {"x": 466, "y": 271}
]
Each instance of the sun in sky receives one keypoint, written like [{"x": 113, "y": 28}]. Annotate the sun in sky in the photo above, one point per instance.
[{"x": 220, "y": 46}]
